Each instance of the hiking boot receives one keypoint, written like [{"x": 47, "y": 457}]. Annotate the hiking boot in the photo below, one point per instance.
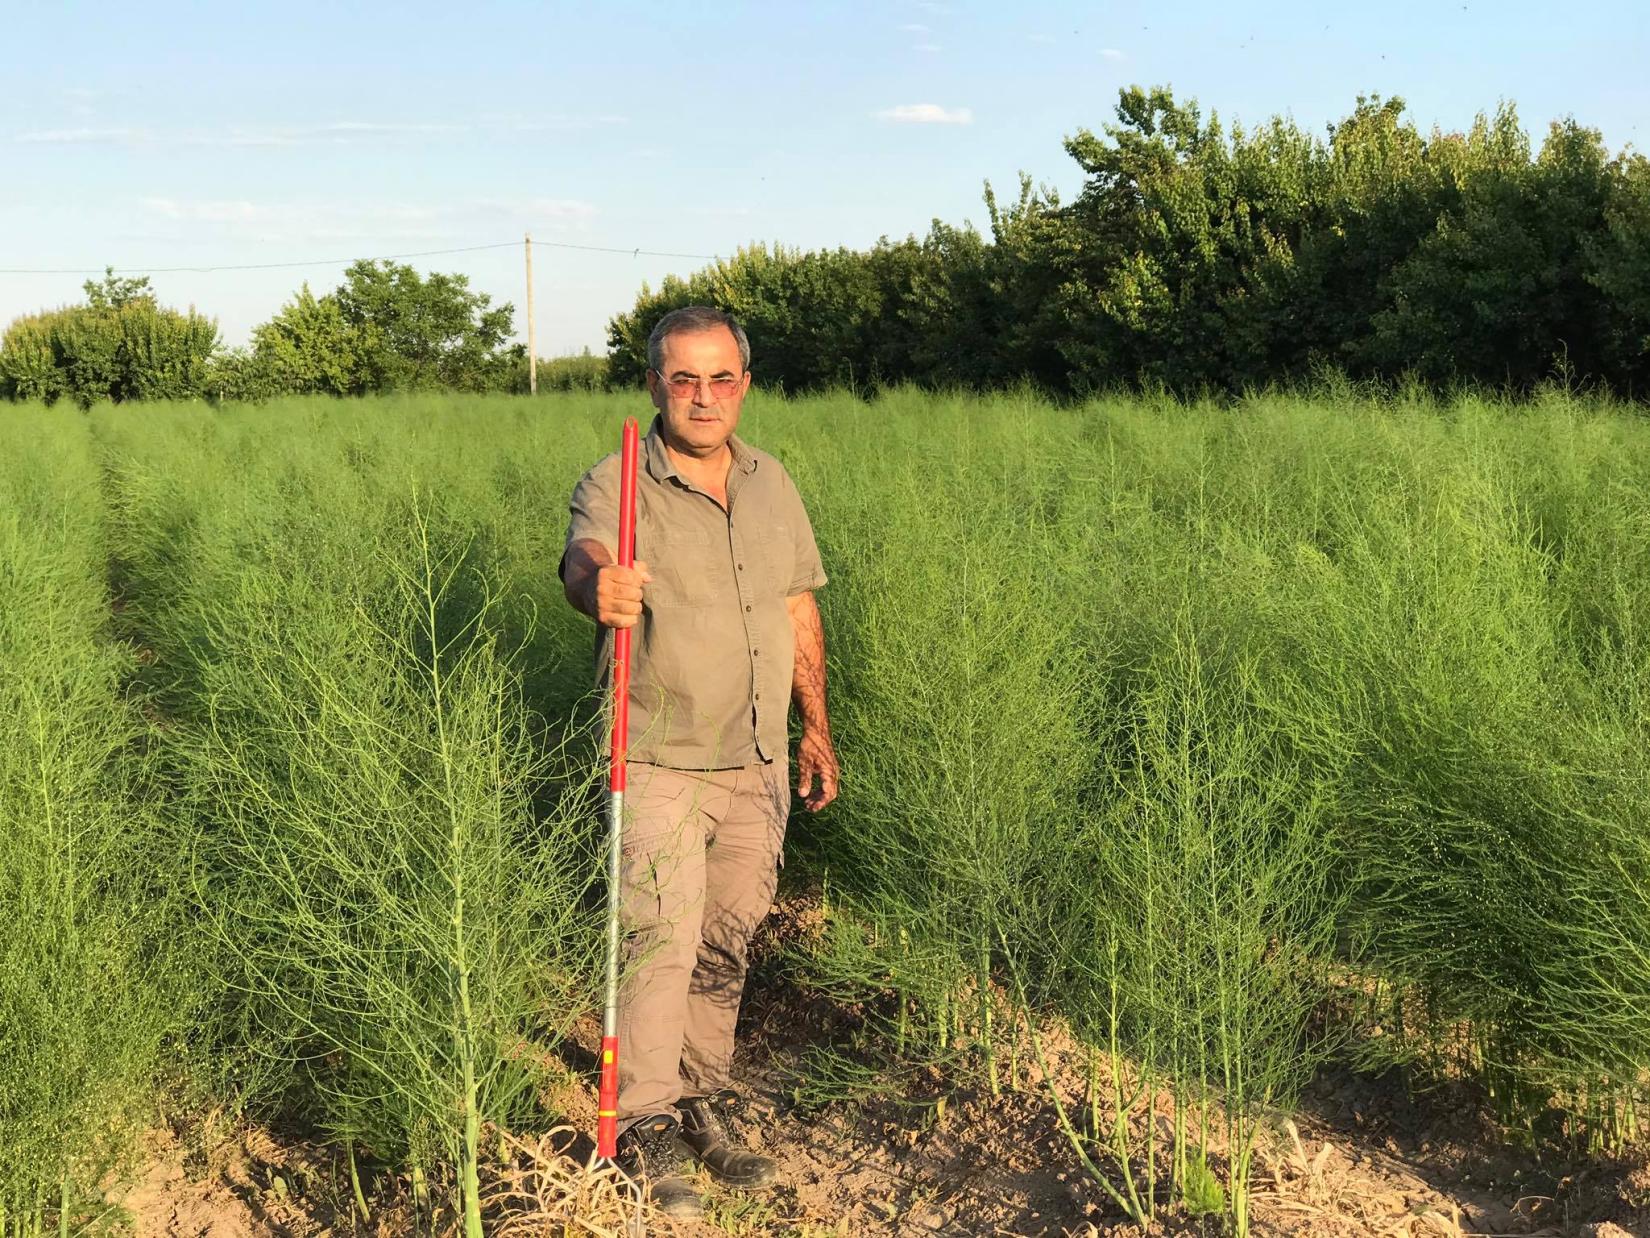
[
  {"x": 648, "y": 1151},
  {"x": 705, "y": 1132}
]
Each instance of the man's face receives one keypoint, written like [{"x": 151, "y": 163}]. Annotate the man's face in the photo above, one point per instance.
[{"x": 698, "y": 420}]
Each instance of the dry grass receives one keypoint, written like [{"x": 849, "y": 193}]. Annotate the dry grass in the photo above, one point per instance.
[{"x": 541, "y": 1193}]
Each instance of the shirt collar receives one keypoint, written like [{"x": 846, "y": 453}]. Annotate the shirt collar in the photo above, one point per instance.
[{"x": 660, "y": 466}]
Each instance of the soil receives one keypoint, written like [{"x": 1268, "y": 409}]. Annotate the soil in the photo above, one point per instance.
[
  {"x": 241, "y": 1186},
  {"x": 927, "y": 1156}
]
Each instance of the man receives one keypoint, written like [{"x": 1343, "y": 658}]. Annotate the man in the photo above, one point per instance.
[{"x": 725, "y": 634}]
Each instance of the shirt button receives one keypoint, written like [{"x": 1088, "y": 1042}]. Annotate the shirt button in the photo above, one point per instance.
[
  {"x": 747, "y": 610},
  {"x": 741, "y": 567}
]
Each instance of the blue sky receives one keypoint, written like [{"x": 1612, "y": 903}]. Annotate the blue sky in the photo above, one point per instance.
[{"x": 193, "y": 135}]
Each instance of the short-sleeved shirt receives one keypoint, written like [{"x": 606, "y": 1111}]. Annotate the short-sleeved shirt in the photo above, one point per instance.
[{"x": 712, "y": 656}]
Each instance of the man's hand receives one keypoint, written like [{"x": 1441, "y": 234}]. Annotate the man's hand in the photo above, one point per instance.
[
  {"x": 594, "y": 584},
  {"x": 816, "y": 758},
  {"x": 618, "y": 594}
]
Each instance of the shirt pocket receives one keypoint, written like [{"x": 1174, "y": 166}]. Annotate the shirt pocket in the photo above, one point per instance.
[
  {"x": 684, "y": 573},
  {"x": 779, "y": 556}
]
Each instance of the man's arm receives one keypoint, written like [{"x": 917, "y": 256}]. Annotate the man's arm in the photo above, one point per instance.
[
  {"x": 599, "y": 587},
  {"x": 815, "y": 756}
]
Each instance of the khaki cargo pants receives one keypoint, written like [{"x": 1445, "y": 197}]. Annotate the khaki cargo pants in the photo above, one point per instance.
[{"x": 700, "y": 865}]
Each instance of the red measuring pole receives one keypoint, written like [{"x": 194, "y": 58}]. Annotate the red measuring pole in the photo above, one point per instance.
[{"x": 607, "y": 1101}]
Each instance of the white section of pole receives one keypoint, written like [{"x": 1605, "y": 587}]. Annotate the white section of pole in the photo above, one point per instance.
[{"x": 615, "y": 862}]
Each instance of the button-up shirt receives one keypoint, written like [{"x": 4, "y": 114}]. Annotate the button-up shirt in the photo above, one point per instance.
[{"x": 712, "y": 656}]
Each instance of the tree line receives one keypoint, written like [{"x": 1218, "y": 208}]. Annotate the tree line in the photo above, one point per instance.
[
  {"x": 1198, "y": 257},
  {"x": 385, "y": 328},
  {"x": 1195, "y": 257}
]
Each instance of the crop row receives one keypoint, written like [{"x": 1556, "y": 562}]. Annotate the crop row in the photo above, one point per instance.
[{"x": 1223, "y": 735}]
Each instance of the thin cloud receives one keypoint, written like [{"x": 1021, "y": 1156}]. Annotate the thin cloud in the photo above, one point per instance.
[
  {"x": 927, "y": 114},
  {"x": 1111, "y": 53},
  {"x": 556, "y": 122},
  {"x": 338, "y": 132},
  {"x": 310, "y": 220},
  {"x": 925, "y": 47},
  {"x": 300, "y": 223},
  {"x": 342, "y": 131},
  {"x": 1039, "y": 38},
  {"x": 378, "y": 127},
  {"x": 534, "y": 208},
  {"x": 86, "y": 136},
  {"x": 332, "y": 132},
  {"x": 203, "y": 212},
  {"x": 916, "y": 27},
  {"x": 717, "y": 212}
]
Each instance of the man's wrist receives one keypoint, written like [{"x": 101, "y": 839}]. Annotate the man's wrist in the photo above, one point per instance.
[
  {"x": 585, "y": 564},
  {"x": 582, "y": 594}
]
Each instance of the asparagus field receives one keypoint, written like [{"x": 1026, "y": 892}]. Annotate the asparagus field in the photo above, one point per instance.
[{"x": 1225, "y": 744}]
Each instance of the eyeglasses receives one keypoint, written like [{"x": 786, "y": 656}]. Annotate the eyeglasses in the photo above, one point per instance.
[{"x": 721, "y": 388}]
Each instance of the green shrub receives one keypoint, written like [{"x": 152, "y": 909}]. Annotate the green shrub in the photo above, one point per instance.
[
  {"x": 556, "y": 375},
  {"x": 28, "y": 361},
  {"x": 121, "y": 345},
  {"x": 392, "y": 853}
]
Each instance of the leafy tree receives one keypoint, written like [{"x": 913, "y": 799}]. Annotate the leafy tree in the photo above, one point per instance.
[
  {"x": 28, "y": 360},
  {"x": 411, "y": 333},
  {"x": 1496, "y": 291},
  {"x": 386, "y": 328},
  {"x": 1201, "y": 256},
  {"x": 114, "y": 292},
  {"x": 310, "y": 348},
  {"x": 121, "y": 345},
  {"x": 809, "y": 312},
  {"x": 1618, "y": 265},
  {"x": 164, "y": 355},
  {"x": 829, "y": 318}
]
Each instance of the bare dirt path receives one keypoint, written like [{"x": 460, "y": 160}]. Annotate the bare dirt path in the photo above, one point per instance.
[{"x": 1358, "y": 1158}]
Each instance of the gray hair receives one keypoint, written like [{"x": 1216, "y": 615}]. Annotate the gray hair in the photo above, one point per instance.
[{"x": 690, "y": 320}]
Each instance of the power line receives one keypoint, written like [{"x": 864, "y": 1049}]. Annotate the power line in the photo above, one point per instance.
[
  {"x": 318, "y": 262},
  {"x": 248, "y": 266}
]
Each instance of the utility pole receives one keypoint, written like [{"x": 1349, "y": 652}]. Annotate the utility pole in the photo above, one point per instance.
[{"x": 532, "y": 327}]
